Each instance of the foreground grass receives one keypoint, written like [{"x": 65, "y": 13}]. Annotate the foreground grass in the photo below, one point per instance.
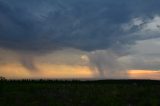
[{"x": 80, "y": 93}]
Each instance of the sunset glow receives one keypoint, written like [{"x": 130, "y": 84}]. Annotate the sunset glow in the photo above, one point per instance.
[
  {"x": 16, "y": 71},
  {"x": 49, "y": 71},
  {"x": 144, "y": 74}
]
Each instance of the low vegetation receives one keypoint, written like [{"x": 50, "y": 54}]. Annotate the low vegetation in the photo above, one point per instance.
[{"x": 79, "y": 93}]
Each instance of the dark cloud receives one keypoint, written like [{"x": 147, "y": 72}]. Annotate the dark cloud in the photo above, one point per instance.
[{"x": 42, "y": 26}]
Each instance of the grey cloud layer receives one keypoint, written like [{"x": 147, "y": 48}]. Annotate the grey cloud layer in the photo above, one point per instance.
[{"x": 27, "y": 25}]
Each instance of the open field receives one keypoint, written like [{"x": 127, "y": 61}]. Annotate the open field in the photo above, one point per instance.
[{"x": 80, "y": 93}]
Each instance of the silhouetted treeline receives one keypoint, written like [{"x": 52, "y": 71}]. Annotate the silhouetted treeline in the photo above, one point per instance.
[
  {"x": 121, "y": 81},
  {"x": 42, "y": 92},
  {"x": 2, "y": 78}
]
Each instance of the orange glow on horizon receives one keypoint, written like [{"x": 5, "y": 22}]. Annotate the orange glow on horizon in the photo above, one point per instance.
[
  {"x": 52, "y": 71},
  {"x": 17, "y": 71},
  {"x": 144, "y": 74},
  {"x": 142, "y": 71}
]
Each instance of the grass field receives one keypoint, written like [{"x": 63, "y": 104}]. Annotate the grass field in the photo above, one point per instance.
[{"x": 80, "y": 93}]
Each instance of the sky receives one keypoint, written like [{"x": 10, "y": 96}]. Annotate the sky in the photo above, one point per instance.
[{"x": 80, "y": 39}]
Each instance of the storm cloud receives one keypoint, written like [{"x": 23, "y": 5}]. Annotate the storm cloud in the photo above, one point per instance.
[
  {"x": 105, "y": 29},
  {"x": 82, "y": 24}
]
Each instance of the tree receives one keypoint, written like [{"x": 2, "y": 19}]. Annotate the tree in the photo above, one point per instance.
[{"x": 2, "y": 78}]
